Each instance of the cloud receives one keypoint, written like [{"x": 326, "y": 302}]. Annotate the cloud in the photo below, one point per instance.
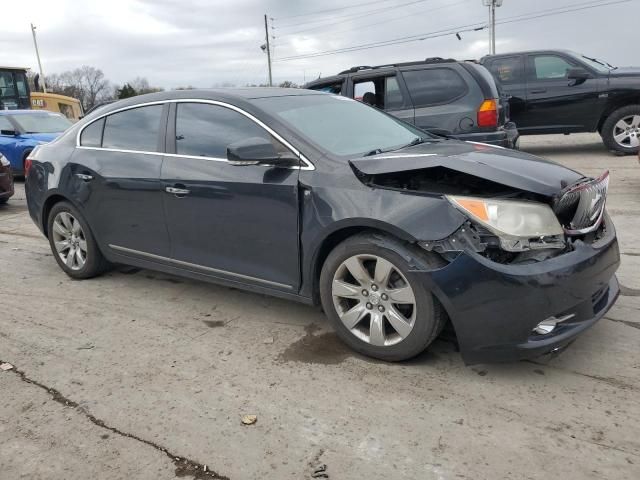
[{"x": 204, "y": 42}]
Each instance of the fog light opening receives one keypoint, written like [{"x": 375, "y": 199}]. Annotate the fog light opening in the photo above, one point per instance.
[{"x": 548, "y": 325}]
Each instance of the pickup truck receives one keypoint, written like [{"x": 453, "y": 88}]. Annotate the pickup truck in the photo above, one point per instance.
[{"x": 560, "y": 91}]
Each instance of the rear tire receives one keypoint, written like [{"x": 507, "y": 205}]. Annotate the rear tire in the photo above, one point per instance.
[
  {"x": 360, "y": 304},
  {"x": 73, "y": 244},
  {"x": 621, "y": 130}
]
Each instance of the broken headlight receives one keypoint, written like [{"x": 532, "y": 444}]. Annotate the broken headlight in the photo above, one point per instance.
[{"x": 519, "y": 225}]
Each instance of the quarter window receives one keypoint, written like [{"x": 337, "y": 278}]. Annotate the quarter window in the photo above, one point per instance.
[
  {"x": 434, "y": 86},
  {"x": 204, "y": 130},
  {"x": 92, "y": 135},
  {"x": 548, "y": 67},
  {"x": 135, "y": 129}
]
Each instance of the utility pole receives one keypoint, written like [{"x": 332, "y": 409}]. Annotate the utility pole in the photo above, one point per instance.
[
  {"x": 492, "y": 4},
  {"x": 35, "y": 43},
  {"x": 266, "y": 32}
]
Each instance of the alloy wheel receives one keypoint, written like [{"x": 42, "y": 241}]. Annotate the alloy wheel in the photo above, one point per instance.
[
  {"x": 69, "y": 240},
  {"x": 374, "y": 300},
  {"x": 626, "y": 132}
]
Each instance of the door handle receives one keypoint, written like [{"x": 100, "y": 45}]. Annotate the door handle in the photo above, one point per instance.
[
  {"x": 540, "y": 90},
  {"x": 177, "y": 191},
  {"x": 84, "y": 176}
]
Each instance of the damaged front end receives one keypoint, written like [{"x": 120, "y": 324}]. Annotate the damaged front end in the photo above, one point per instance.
[{"x": 506, "y": 224}]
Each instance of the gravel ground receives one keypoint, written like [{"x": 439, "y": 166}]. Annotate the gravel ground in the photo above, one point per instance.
[{"x": 144, "y": 375}]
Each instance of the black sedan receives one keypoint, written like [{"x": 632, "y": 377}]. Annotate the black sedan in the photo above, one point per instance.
[{"x": 321, "y": 199}]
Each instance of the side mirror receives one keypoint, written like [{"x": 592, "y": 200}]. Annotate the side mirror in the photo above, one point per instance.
[
  {"x": 258, "y": 151},
  {"x": 11, "y": 133},
  {"x": 578, "y": 75}
]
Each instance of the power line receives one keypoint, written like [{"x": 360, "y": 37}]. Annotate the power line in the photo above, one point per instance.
[
  {"x": 344, "y": 18},
  {"x": 454, "y": 30}
]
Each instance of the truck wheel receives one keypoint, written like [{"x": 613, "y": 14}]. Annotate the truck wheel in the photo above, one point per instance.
[
  {"x": 376, "y": 304},
  {"x": 621, "y": 130}
]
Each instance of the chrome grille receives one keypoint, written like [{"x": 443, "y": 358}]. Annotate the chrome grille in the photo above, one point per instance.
[{"x": 581, "y": 207}]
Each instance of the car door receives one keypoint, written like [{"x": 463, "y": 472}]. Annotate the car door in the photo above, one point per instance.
[
  {"x": 509, "y": 74},
  {"x": 239, "y": 223},
  {"x": 387, "y": 93},
  {"x": 555, "y": 103},
  {"x": 435, "y": 92},
  {"x": 115, "y": 178}
]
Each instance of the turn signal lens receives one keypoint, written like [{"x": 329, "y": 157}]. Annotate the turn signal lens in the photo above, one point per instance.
[
  {"x": 488, "y": 113},
  {"x": 27, "y": 166}
]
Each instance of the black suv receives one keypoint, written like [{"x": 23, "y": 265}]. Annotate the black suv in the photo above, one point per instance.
[
  {"x": 443, "y": 96},
  {"x": 559, "y": 91}
]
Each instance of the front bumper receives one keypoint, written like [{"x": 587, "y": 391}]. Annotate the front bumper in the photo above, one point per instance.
[
  {"x": 495, "y": 307},
  {"x": 507, "y": 137}
]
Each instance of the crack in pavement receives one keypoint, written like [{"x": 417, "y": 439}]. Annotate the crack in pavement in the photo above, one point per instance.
[
  {"x": 184, "y": 466},
  {"x": 613, "y": 382},
  {"x": 629, "y": 292},
  {"x": 624, "y": 322}
]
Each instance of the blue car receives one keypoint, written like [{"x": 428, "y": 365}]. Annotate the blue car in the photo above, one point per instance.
[{"x": 22, "y": 130}]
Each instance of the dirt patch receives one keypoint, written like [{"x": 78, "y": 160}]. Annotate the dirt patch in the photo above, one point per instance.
[
  {"x": 214, "y": 323},
  {"x": 324, "y": 349}
]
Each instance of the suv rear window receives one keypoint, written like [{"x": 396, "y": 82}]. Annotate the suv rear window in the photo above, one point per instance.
[{"x": 434, "y": 86}]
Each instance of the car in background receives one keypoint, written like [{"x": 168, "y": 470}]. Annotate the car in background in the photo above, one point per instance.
[
  {"x": 23, "y": 130},
  {"x": 322, "y": 199},
  {"x": 6, "y": 180},
  {"x": 442, "y": 96},
  {"x": 560, "y": 91}
]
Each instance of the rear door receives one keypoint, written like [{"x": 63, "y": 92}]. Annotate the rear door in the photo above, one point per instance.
[
  {"x": 509, "y": 74},
  {"x": 115, "y": 175},
  {"x": 386, "y": 92},
  {"x": 439, "y": 95},
  {"x": 239, "y": 223},
  {"x": 555, "y": 103}
]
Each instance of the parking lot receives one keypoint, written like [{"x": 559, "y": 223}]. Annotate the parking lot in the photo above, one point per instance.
[{"x": 143, "y": 375}]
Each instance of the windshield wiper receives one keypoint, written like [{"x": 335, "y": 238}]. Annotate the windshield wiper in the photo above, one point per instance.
[{"x": 373, "y": 152}]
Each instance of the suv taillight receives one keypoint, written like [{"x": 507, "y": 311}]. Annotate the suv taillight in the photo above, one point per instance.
[{"x": 488, "y": 113}]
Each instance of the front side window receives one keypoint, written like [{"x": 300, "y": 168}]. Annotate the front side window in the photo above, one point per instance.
[
  {"x": 205, "y": 130},
  {"x": 550, "y": 67},
  {"x": 42, "y": 122},
  {"x": 392, "y": 93},
  {"x": 508, "y": 70},
  {"x": 340, "y": 125},
  {"x": 7, "y": 86},
  {"x": 434, "y": 86},
  {"x": 135, "y": 129}
]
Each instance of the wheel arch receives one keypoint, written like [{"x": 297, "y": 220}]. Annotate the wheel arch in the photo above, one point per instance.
[
  {"x": 48, "y": 204},
  {"x": 615, "y": 104}
]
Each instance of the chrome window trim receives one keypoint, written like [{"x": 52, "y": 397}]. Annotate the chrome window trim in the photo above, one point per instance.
[
  {"x": 195, "y": 265},
  {"x": 307, "y": 163}
]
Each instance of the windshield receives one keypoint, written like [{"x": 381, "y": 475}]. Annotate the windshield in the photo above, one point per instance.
[
  {"x": 341, "y": 125},
  {"x": 42, "y": 123},
  {"x": 599, "y": 65}
]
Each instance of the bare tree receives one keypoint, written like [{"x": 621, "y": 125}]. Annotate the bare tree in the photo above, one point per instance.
[{"x": 87, "y": 84}]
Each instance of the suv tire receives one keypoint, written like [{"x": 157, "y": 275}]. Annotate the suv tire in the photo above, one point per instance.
[
  {"x": 616, "y": 125},
  {"x": 359, "y": 282}
]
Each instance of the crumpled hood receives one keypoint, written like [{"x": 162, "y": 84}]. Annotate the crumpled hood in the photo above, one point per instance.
[
  {"x": 41, "y": 137},
  {"x": 507, "y": 167}
]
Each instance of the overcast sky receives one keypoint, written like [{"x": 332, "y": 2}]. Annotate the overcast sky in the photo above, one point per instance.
[{"x": 206, "y": 43}]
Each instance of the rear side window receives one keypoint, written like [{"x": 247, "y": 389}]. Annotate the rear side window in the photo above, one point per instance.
[
  {"x": 434, "y": 86},
  {"x": 204, "y": 130},
  {"x": 135, "y": 129},
  {"x": 92, "y": 135},
  {"x": 508, "y": 70}
]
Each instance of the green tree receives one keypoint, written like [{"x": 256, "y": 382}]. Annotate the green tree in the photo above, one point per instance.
[{"x": 126, "y": 91}]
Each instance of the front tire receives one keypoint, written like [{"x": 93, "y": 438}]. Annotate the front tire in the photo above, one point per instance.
[
  {"x": 376, "y": 304},
  {"x": 73, "y": 244},
  {"x": 621, "y": 130}
]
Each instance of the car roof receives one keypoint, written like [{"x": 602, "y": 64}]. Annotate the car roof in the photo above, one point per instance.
[
  {"x": 27, "y": 112},
  {"x": 526, "y": 52},
  {"x": 231, "y": 95}
]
